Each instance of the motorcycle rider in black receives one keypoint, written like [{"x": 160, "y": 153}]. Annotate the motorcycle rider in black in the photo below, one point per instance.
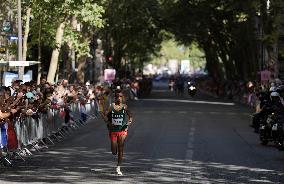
[
  {"x": 278, "y": 109},
  {"x": 263, "y": 109}
]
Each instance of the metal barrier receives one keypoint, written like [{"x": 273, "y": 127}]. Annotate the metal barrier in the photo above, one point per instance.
[{"x": 44, "y": 128}]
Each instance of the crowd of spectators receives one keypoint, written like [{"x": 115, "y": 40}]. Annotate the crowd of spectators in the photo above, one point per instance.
[
  {"x": 241, "y": 91},
  {"x": 22, "y": 100},
  {"x": 135, "y": 88}
]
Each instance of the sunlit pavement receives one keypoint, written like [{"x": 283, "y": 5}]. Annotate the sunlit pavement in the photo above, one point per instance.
[{"x": 173, "y": 140}]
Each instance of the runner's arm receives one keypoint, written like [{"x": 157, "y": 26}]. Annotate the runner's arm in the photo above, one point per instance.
[
  {"x": 105, "y": 114},
  {"x": 130, "y": 118}
]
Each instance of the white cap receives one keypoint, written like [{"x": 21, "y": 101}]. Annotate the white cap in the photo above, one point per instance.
[
  {"x": 273, "y": 88},
  {"x": 278, "y": 82},
  {"x": 274, "y": 94}
]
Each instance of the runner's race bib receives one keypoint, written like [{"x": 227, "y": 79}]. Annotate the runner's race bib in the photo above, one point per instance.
[{"x": 117, "y": 121}]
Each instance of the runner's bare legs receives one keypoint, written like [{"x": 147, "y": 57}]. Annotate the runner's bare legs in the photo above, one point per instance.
[
  {"x": 121, "y": 140},
  {"x": 114, "y": 147}
]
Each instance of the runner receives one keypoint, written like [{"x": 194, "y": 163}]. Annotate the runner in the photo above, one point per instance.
[{"x": 117, "y": 124}]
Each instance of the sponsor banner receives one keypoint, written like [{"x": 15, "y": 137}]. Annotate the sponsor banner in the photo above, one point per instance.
[{"x": 109, "y": 74}]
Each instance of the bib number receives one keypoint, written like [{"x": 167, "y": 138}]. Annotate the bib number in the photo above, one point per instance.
[{"x": 117, "y": 121}]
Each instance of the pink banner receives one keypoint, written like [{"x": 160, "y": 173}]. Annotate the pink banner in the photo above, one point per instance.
[
  {"x": 109, "y": 74},
  {"x": 265, "y": 75}
]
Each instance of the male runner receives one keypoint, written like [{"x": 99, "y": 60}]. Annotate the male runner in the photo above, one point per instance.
[{"x": 118, "y": 126}]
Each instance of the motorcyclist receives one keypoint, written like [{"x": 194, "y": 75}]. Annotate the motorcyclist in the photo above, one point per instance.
[
  {"x": 191, "y": 87},
  {"x": 269, "y": 101},
  {"x": 278, "y": 109},
  {"x": 263, "y": 108},
  {"x": 276, "y": 104}
]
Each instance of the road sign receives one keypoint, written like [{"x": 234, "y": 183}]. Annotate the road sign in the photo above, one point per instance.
[
  {"x": 19, "y": 63},
  {"x": 6, "y": 26},
  {"x": 109, "y": 74},
  {"x": 265, "y": 75},
  {"x": 13, "y": 37},
  {"x": 8, "y": 77}
]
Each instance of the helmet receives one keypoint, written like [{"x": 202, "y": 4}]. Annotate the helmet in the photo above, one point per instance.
[
  {"x": 272, "y": 87},
  {"x": 274, "y": 94},
  {"x": 280, "y": 89},
  {"x": 278, "y": 82}
]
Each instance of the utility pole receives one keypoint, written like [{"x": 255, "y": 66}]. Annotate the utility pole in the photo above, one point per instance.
[{"x": 20, "y": 41}]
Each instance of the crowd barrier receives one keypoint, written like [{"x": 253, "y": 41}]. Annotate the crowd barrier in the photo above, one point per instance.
[{"x": 43, "y": 129}]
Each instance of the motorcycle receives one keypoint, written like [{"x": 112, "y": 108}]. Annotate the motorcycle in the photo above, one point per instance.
[
  {"x": 191, "y": 89},
  {"x": 260, "y": 117},
  {"x": 271, "y": 130}
]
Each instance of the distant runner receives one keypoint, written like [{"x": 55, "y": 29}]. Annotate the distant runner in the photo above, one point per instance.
[{"x": 117, "y": 125}]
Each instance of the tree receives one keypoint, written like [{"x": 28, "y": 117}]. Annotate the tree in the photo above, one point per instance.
[
  {"x": 271, "y": 16},
  {"x": 55, "y": 17},
  {"x": 219, "y": 28},
  {"x": 132, "y": 31}
]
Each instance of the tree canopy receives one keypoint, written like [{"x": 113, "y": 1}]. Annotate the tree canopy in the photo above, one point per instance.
[
  {"x": 227, "y": 31},
  {"x": 230, "y": 33}
]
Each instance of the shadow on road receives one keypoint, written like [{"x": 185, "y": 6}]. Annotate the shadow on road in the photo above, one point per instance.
[
  {"x": 86, "y": 158},
  {"x": 79, "y": 164}
]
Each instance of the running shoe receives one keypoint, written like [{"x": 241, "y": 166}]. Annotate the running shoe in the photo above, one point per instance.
[{"x": 118, "y": 171}]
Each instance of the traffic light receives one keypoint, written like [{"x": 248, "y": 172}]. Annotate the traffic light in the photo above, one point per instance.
[{"x": 109, "y": 59}]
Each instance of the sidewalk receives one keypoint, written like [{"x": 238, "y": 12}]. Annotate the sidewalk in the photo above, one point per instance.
[{"x": 238, "y": 100}]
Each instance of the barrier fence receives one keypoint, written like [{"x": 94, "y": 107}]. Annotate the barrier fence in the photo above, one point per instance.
[
  {"x": 43, "y": 129},
  {"x": 18, "y": 139}
]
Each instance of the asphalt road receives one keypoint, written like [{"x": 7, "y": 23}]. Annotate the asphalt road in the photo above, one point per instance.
[{"x": 173, "y": 140}]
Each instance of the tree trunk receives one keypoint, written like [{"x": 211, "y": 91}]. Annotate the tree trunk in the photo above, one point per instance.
[
  {"x": 212, "y": 62},
  {"x": 228, "y": 64},
  {"x": 81, "y": 69},
  {"x": 25, "y": 43},
  {"x": 26, "y": 34},
  {"x": 39, "y": 54},
  {"x": 71, "y": 63},
  {"x": 55, "y": 53},
  {"x": 212, "y": 65},
  {"x": 117, "y": 58}
]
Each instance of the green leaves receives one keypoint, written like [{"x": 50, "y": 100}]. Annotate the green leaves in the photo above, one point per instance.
[
  {"x": 133, "y": 30},
  {"x": 77, "y": 40},
  {"x": 224, "y": 29},
  {"x": 50, "y": 13},
  {"x": 90, "y": 13}
]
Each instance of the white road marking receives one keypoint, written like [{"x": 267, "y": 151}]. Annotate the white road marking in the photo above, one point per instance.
[
  {"x": 165, "y": 112},
  {"x": 189, "y": 101},
  {"x": 214, "y": 112},
  {"x": 198, "y": 112},
  {"x": 189, "y": 153},
  {"x": 148, "y": 112}
]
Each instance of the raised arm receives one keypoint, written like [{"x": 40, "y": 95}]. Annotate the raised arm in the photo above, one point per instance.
[
  {"x": 105, "y": 114},
  {"x": 130, "y": 117}
]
